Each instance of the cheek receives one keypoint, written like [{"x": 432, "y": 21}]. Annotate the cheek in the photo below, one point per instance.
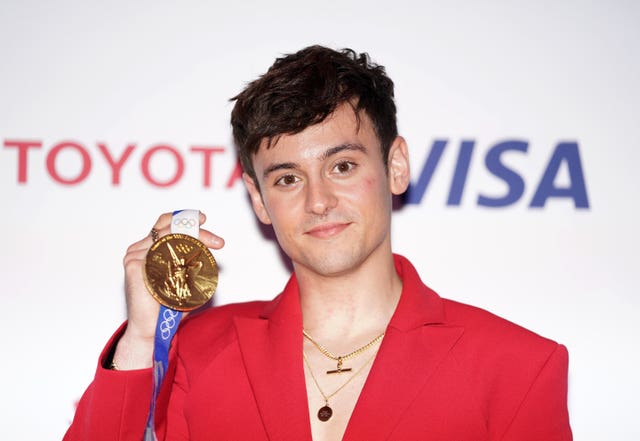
[
  {"x": 367, "y": 185},
  {"x": 368, "y": 193},
  {"x": 274, "y": 210},
  {"x": 283, "y": 213},
  {"x": 375, "y": 185}
]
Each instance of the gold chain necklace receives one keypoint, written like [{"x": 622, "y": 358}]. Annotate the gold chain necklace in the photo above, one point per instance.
[
  {"x": 341, "y": 358},
  {"x": 325, "y": 412}
]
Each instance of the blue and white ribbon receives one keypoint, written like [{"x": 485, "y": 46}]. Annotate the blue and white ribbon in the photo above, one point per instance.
[{"x": 184, "y": 222}]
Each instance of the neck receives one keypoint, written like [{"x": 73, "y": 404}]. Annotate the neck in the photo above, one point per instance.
[{"x": 348, "y": 305}]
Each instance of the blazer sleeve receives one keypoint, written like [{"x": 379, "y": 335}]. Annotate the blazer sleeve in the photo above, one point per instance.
[
  {"x": 115, "y": 405},
  {"x": 543, "y": 413}
]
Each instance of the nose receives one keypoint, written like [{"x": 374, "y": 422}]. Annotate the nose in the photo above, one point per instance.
[{"x": 320, "y": 198}]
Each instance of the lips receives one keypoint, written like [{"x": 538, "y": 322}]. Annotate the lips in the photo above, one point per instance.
[{"x": 327, "y": 230}]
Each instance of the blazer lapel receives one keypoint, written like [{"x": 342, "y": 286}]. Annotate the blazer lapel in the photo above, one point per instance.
[
  {"x": 405, "y": 363},
  {"x": 415, "y": 343},
  {"x": 271, "y": 348}
]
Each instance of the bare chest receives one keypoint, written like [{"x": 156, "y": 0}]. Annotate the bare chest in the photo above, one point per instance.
[{"x": 332, "y": 397}]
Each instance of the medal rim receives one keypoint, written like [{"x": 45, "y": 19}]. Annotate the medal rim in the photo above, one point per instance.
[{"x": 161, "y": 299}]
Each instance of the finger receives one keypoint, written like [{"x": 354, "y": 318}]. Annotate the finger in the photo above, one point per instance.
[
  {"x": 211, "y": 240},
  {"x": 146, "y": 242},
  {"x": 142, "y": 244},
  {"x": 135, "y": 256},
  {"x": 159, "y": 232},
  {"x": 207, "y": 237},
  {"x": 164, "y": 221}
]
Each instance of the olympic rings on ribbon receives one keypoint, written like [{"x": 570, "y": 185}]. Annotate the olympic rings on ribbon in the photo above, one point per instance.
[
  {"x": 168, "y": 322},
  {"x": 184, "y": 222}
]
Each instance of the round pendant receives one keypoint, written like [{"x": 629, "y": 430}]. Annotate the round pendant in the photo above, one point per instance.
[{"x": 325, "y": 413}]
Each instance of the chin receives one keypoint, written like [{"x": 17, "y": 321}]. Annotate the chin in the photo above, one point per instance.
[{"x": 331, "y": 264}]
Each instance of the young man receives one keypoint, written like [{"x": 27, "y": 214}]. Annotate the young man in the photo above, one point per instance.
[{"x": 356, "y": 347}]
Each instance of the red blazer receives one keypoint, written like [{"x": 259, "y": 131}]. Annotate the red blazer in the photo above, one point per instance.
[{"x": 445, "y": 372}]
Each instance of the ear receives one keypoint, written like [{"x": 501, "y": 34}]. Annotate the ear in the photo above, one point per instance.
[
  {"x": 256, "y": 199},
  {"x": 398, "y": 164}
]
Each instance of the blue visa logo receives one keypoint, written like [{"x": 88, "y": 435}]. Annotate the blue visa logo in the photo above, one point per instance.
[{"x": 564, "y": 153}]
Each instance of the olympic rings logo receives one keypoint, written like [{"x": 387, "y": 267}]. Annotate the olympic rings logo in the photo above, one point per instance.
[
  {"x": 184, "y": 222},
  {"x": 168, "y": 323}
]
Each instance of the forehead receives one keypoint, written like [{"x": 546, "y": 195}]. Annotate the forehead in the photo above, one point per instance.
[{"x": 343, "y": 126}]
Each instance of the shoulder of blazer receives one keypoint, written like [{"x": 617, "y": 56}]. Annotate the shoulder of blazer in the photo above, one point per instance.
[{"x": 496, "y": 349}]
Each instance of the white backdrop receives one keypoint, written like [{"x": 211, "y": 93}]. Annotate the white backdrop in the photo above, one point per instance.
[{"x": 82, "y": 81}]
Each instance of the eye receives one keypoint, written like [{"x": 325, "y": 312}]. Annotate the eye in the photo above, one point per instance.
[
  {"x": 287, "y": 180},
  {"x": 344, "y": 167}
]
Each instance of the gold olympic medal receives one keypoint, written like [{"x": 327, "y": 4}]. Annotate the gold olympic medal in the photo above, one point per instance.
[{"x": 180, "y": 272}]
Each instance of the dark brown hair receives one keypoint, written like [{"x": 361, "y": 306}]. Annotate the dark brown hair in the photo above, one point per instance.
[{"x": 304, "y": 88}]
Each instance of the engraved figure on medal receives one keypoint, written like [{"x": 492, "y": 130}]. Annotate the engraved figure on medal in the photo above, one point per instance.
[{"x": 178, "y": 270}]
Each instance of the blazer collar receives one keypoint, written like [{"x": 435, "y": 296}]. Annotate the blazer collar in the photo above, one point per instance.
[
  {"x": 416, "y": 341},
  {"x": 418, "y": 305}
]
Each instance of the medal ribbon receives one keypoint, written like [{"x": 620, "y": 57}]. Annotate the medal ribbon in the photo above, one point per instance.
[{"x": 185, "y": 222}]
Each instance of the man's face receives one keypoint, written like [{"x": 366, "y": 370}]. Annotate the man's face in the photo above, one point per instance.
[{"x": 327, "y": 193}]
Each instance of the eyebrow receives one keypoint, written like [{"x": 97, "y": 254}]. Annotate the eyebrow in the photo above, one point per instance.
[
  {"x": 326, "y": 154},
  {"x": 342, "y": 147},
  {"x": 281, "y": 166}
]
